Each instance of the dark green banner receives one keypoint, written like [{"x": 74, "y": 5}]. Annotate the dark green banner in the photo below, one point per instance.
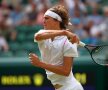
[{"x": 18, "y": 73}]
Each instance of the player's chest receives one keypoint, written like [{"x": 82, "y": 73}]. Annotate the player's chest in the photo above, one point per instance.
[{"x": 53, "y": 46}]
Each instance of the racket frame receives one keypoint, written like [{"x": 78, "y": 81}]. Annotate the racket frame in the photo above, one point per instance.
[{"x": 91, "y": 51}]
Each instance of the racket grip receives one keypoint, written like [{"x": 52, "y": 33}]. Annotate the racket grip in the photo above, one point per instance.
[{"x": 81, "y": 44}]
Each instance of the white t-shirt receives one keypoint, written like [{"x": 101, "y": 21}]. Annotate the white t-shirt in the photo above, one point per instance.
[
  {"x": 52, "y": 52},
  {"x": 2, "y": 42}
]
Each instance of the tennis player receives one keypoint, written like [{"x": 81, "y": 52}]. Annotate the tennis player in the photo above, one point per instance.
[{"x": 57, "y": 52}]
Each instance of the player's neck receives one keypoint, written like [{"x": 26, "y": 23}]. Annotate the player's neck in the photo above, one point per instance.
[{"x": 56, "y": 28}]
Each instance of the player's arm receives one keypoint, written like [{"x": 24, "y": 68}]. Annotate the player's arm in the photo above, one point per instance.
[
  {"x": 61, "y": 70},
  {"x": 46, "y": 34}
]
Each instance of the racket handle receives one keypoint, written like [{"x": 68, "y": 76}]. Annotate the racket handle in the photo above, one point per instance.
[{"x": 81, "y": 44}]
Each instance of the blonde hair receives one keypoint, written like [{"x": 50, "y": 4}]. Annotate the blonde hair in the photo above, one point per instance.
[{"x": 63, "y": 13}]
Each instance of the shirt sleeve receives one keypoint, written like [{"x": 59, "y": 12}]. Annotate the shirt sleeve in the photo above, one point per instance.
[
  {"x": 70, "y": 49},
  {"x": 41, "y": 31}
]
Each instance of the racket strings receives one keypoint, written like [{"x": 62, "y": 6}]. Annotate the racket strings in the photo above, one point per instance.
[
  {"x": 98, "y": 49},
  {"x": 100, "y": 55}
]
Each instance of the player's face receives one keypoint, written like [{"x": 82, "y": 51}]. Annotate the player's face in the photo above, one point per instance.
[{"x": 49, "y": 23}]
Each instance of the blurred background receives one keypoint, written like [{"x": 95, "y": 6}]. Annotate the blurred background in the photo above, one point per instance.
[{"x": 21, "y": 19}]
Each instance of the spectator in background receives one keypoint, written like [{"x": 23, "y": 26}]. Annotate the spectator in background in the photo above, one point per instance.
[
  {"x": 17, "y": 15},
  {"x": 75, "y": 4},
  {"x": 3, "y": 26},
  {"x": 42, "y": 6},
  {"x": 95, "y": 16},
  {"x": 11, "y": 2},
  {"x": 77, "y": 15},
  {"x": 90, "y": 29},
  {"x": 6, "y": 24},
  {"x": 35, "y": 10},
  {"x": 3, "y": 44},
  {"x": 31, "y": 12},
  {"x": 93, "y": 1},
  {"x": 32, "y": 15},
  {"x": 62, "y": 2},
  {"x": 78, "y": 28},
  {"x": 41, "y": 3},
  {"x": 40, "y": 15},
  {"x": 102, "y": 30},
  {"x": 1, "y": 16}
]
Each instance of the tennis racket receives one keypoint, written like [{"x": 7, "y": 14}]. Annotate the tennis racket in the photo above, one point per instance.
[{"x": 98, "y": 53}]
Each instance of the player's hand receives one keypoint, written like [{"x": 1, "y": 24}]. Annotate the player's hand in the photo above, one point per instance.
[
  {"x": 75, "y": 39},
  {"x": 34, "y": 59}
]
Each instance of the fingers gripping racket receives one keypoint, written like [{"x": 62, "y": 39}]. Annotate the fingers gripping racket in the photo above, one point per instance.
[{"x": 98, "y": 53}]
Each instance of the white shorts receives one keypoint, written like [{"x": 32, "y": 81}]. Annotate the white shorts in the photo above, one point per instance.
[{"x": 69, "y": 87}]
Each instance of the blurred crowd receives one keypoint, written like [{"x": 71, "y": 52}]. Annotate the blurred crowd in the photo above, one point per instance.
[{"x": 89, "y": 18}]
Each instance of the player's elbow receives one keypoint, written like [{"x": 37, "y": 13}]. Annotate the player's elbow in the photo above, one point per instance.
[
  {"x": 66, "y": 73},
  {"x": 37, "y": 37}
]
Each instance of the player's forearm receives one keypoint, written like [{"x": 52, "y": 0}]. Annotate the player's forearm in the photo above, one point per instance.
[
  {"x": 49, "y": 34},
  {"x": 55, "y": 69},
  {"x": 61, "y": 32}
]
